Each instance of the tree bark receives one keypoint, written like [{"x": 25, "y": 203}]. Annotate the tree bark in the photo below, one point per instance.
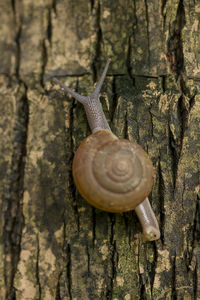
[{"x": 54, "y": 245}]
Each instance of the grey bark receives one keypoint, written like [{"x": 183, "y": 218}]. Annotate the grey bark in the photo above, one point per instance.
[{"x": 53, "y": 245}]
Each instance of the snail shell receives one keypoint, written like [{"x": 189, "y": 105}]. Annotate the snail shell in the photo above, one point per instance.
[{"x": 112, "y": 174}]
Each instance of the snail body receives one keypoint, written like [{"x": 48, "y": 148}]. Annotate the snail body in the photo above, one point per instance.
[
  {"x": 119, "y": 172},
  {"x": 112, "y": 174}
]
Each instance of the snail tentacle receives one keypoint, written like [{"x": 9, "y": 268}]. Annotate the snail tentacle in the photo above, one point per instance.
[
  {"x": 80, "y": 98},
  {"x": 92, "y": 105},
  {"x": 96, "y": 92}
]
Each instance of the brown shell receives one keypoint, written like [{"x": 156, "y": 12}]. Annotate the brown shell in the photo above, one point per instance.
[{"x": 112, "y": 174}]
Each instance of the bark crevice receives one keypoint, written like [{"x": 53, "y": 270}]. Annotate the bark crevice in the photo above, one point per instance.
[
  {"x": 69, "y": 272},
  {"x": 97, "y": 48},
  {"x": 161, "y": 198},
  {"x": 175, "y": 53},
  {"x": 37, "y": 269},
  {"x": 13, "y": 219}
]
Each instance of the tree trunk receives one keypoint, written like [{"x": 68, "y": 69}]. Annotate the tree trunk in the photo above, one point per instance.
[{"x": 54, "y": 245}]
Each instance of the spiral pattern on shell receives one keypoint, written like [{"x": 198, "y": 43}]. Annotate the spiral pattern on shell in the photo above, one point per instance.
[{"x": 112, "y": 174}]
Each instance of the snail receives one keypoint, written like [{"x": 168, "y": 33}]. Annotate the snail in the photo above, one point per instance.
[{"x": 112, "y": 174}]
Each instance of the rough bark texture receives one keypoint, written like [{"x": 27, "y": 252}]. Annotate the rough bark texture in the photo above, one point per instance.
[{"x": 53, "y": 245}]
